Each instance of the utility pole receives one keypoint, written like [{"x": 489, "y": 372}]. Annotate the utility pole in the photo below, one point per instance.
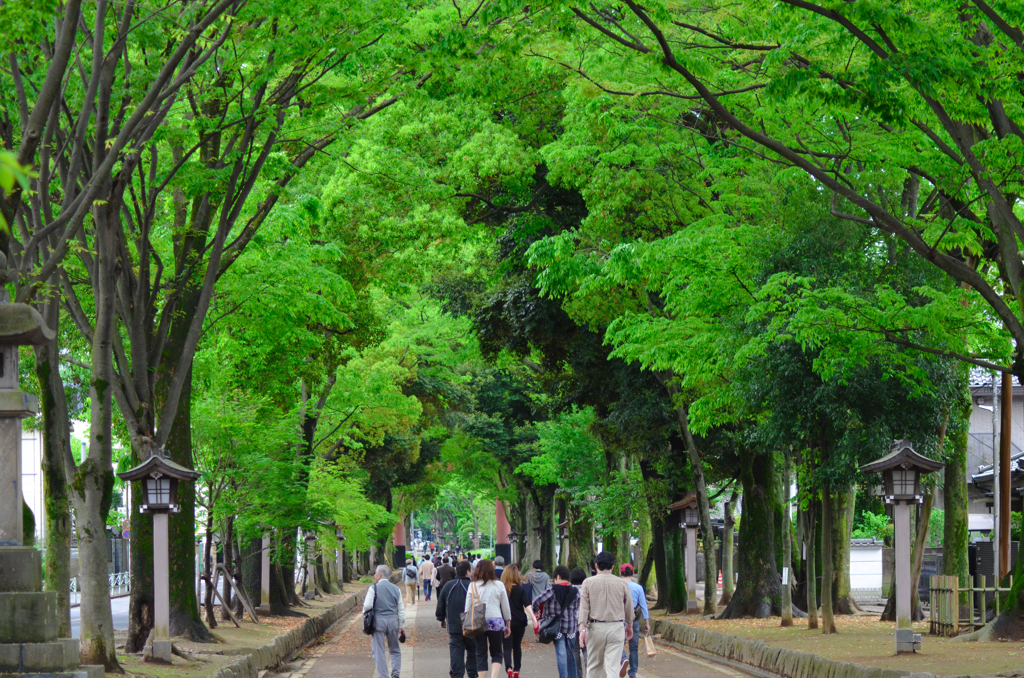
[
  {"x": 1003, "y": 479},
  {"x": 996, "y": 444}
]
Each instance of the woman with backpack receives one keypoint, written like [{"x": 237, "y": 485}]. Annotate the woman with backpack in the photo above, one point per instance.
[
  {"x": 489, "y": 592},
  {"x": 561, "y": 603},
  {"x": 520, "y": 604}
]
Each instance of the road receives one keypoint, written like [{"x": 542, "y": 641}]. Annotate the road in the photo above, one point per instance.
[
  {"x": 344, "y": 652},
  {"x": 118, "y": 606}
]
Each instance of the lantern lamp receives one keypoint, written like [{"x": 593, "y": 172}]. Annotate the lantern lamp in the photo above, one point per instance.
[
  {"x": 563, "y": 529},
  {"x": 901, "y": 471}
]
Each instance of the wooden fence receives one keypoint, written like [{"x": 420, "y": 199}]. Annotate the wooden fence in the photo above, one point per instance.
[{"x": 945, "y": 604}]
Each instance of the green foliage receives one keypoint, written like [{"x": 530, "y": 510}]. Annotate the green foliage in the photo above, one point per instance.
[{"x": 874, "y": 525}]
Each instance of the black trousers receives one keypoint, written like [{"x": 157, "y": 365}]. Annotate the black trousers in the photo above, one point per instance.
[
  {"x": 513, "y": 646},
  {"x": 462, "y": 651},
  {"x": 491, "y": 640}
]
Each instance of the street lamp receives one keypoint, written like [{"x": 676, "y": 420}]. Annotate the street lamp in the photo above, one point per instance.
[
  {"x": 685, "y": 511},
  {"x": 160, "y": 478},
  {"x": 901, "y": 471}
]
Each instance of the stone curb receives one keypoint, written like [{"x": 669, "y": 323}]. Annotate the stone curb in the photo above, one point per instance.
[
  {"x": 774, "y": 661},
  {"x": 284, "y": 646}
]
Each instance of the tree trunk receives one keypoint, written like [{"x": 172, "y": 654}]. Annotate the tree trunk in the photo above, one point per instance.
[
  {"x": 674, "y": 591},
  {"x": 728, "y": 578},
  {"x": 252, "y": 570},
  {"x": 828, "y": 622},
  {"x": 208, "y": 576},
  {"x": 227, "y": 543},
  {"x": 810, "y": 535},
  {"x": 758, "y": 592},
  {"x": 954, "y": 528},
  {"x": 287, "y": 549},
  {"x": 842, "y": 524},
  {"x": 645, "y": 572},
  {"x": 56, "y": 446},
  {"x": 93, "y": 480},
  {"x": 787, "y": 543}
]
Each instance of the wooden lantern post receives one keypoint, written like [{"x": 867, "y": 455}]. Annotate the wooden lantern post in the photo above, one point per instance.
[
  {"x": 160, "y": 478},
  {"x": 901, "y": 470}
]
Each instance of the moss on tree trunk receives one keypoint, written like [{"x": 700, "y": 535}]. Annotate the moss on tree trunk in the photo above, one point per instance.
[
  {"x": 759, "y": 591},
  {"x": 581, "y": 545},
  {"x": 842, "y": 531},
  {"x": 828, "y": 621},
  {"x": 674, "y": 590},
  {"x": 954, "y": 490}
]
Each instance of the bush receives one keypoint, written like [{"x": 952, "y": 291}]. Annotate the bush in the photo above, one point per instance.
[{"x": 877, "y": 525}]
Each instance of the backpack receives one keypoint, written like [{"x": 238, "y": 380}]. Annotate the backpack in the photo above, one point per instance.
[{"x": 407, "y": 571}]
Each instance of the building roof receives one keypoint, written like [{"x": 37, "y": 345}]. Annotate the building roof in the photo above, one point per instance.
[{"x": 981, "y": 379}]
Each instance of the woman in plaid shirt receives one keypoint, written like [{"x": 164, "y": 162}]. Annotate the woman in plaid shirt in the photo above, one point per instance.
[{"x": 556, "y": 599}]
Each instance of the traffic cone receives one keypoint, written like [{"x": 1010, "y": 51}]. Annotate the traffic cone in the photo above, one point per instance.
[{"x": 719, "y": 579}]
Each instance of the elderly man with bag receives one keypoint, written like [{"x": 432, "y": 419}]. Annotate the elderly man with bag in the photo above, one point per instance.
[{"x": 386, "y": 621}]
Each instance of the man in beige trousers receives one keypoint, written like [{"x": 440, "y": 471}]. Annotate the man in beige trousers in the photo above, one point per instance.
[{"x": 606, "y": 618}]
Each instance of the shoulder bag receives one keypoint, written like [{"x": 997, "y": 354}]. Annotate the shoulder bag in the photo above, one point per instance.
[
  {"x": 549, "y": 629},
  {"x": 368, "y": 615},
  {"x": 474, "y": 622}
]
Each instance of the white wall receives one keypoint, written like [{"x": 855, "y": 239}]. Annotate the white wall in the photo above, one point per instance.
[
  {"x": 866, "y": 568},
  {"x": 32, "y": 478}
]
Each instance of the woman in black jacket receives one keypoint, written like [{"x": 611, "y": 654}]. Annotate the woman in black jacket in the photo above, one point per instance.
[{"x": 520, "y": 604}]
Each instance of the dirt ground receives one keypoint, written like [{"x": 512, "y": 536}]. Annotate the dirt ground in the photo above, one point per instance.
[
  {"x": 865, "y": 640},
  {"x": 212, "y": 656}
]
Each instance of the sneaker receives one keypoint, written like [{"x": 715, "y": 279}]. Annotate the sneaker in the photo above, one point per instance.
[{"x": 624, "y": 669}]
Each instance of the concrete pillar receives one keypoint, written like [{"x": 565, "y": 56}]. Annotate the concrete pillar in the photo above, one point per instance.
[
  {"x": 501, "y": 545},
  {"x": 398, "y": 540},
  {"x": 161, "y": 590},
  {"x": 691, "y": 569},
  {"x": 265, "y": 574},
  {"x": 905, "y": 639}
]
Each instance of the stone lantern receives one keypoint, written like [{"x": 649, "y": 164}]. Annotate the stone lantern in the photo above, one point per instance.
[
  {"x": 160, "y": 477},
  {"x": 28, "y": 615},
  {"x": 513, "y": 540},
  {"x": 685, "y": 511},
  {"x": 901, "y": 470}
]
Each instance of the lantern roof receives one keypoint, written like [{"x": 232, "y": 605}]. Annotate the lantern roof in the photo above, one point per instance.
[
  {"x": 159, "y": 463},
  {"x": 689, "y": 501},
  {"x": 564, "y": 523},
  {"x": 21, "y": 325},
  {"x": 902, "y": 455}
]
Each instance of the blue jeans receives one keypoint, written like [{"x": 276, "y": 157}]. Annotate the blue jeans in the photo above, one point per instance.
[
  {"x": 426, "y": 590},
  {"x": 634, "y": 650},
  {"x": 565, "y": 656}
]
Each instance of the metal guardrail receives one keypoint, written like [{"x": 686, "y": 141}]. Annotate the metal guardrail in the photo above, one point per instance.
[{"x": 120, "y": 585}]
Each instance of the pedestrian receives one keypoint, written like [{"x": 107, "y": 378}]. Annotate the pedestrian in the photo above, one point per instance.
[
  {"x": 640, "y": 611},
  {"x": 606, "y": 619},
  {"x": 576, "y": 578},
  {"x": 499, "y": 567},
  {"x": 562, "y": 602},
  {"x": 411, "y": 579},
  {"x": 445, "y": 573},
  {"x": 426, "y": 577},
  {"x": 490, "y": 592},
  {"x": 451, "y": 600},
  {"x": 388, "y": 622},
  {"x": 520, "y": 607},
  {"x": 536, "y": 580}
]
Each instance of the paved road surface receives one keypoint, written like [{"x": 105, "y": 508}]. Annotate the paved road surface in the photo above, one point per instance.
[
  {"x": 344, "y": 652},
  {"x": 119, "y": 607}
]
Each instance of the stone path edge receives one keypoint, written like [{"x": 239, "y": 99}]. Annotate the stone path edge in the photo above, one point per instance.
[
  {"x": 758, "y": 657},
  {"x": 275, "y": 653}
]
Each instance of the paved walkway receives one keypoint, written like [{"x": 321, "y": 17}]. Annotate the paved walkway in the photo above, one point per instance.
[{"x": 344, "y": 652}]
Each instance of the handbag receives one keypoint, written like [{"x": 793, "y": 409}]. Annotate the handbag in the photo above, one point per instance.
[
  {"x": 649, "y": 644},
  {"x": 368, "y": 615},
  {"x": 549, "y": 629},
  {"x": 474, "y": 622}
]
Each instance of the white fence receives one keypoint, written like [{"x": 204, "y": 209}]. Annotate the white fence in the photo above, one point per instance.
[{"x": 120, "y": 585}]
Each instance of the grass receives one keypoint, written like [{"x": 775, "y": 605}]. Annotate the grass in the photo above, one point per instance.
[
  {"x": 232, "y": 642},
  {"x": 862, "y": 639}
]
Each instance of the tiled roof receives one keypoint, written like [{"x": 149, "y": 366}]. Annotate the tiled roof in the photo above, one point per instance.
[{"x": 981, "y": 377}]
